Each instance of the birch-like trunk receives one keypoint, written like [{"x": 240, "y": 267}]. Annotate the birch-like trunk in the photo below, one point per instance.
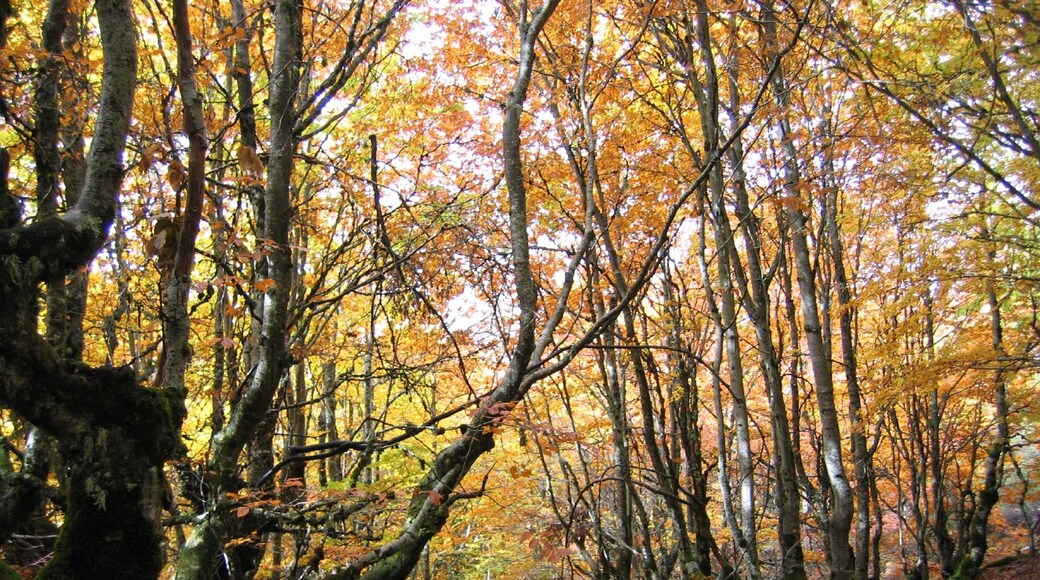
[{"x": 839, "y": 521}]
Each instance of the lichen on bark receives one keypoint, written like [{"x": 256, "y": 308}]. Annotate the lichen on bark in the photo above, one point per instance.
[{"x": 114, "y": 434}]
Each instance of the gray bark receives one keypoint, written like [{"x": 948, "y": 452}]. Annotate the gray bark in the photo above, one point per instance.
[
  {"x": 863, "y": 462},
  {"x": 978, "y": 529},
  {"x": 840, "y": 519},
  {"x": 707, "y": 93},
  {"x": 428, "y": 511},
  {"x": 197, "y": 558}
]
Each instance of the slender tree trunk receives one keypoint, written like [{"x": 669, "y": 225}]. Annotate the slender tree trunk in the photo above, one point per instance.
[
  {"x": 23, "y": 500},
  {"x": 988, "y": 497},
  {"x": 840, "y": 519},
  {"x": 176, "y": 323},
  {"x": 686, "y": 413},
  {"x": 428, "y": 511},
  {"x": 758, "y": 306},
  {"x": 665, "y": 477},
  {"x": 707, "y": 93},
  {"x": 863, "y": 463},
  {"x": 722, "y": 445},
  {"x": 944, "y": 545},
  {"x": 332, "y": 469},
  {"x": 251, "y": 410},
  {"x": 617, "y": 407}
]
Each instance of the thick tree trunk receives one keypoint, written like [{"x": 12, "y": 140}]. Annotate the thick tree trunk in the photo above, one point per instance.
[
  {"x": 115, "y": 435},
  {"x": 114, "y": 500}
]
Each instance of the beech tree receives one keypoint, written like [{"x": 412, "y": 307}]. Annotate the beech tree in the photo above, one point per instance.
[
  {"x": 113, "y": 433},
  {"x": 394, "y": 288}
]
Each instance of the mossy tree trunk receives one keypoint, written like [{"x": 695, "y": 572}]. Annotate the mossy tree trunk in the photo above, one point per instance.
[{"x": 114, "y": 434}]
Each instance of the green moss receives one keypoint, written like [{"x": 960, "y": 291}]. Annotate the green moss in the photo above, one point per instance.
[
  {"x": 8, "y": 573},
  {"x": 966, "y": 569},
  {"x": 111, "y": 539}
]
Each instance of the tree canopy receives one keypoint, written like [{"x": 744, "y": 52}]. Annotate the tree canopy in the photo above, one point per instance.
[{"x": 405, "y": 288}]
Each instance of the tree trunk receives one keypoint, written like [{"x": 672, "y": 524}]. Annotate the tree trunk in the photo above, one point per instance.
[
  {"x": 840, "y": 519},
  {"x": 757, "y": 305},
  {"x": 978, "y": 529},
  {"x": 708, "y": 104},
  {"x": 114, "y": 434},
  {"x": 254, "y": 405},
  {"x": 863, "y": 462},
  {"x": 686, "y": 413},
  {"x": 428, "y": 510}
]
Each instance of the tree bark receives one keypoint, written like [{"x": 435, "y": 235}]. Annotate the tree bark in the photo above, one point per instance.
[
  {"x": 863, "y": 462},
  {"x": 114, "y": 434},
  {"x": 428, "y": 511},
  {"x": 840, "y": 519},
  {"x": 978, "y": 529}
]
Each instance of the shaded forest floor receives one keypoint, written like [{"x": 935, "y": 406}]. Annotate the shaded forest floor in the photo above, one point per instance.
[{"x": 1024, "y": 568}]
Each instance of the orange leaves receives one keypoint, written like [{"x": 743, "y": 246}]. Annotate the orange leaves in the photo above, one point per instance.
[
  {"x": 263, "y": 285},
  {"x": 176, "y": 174},
  {"x": 223, "y": 341},
  {"x": 519, "y": 472},
  {"x": 149, "y": 155},
  {"x": 251, "y": 501},
  {"x": 791, "y": 202},
  {"x": 546, "y": 545},
  {"x": 248, "y": 161}
]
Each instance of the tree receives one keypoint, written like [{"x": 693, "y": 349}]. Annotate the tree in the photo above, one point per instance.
[
  {"x": 592, "y": 289},
  {"x": 114, "y": 434}
]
